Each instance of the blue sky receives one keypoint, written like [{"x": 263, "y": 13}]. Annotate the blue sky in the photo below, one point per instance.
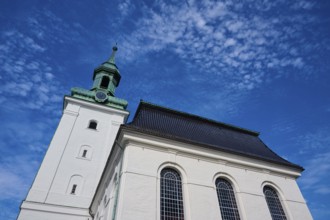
[{"x": 258, "y": 64}]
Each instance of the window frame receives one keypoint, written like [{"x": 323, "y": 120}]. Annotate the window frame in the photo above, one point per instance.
[
  {"x": 179, "y": 201},
  {"x": 279, "y": 203},
  {"x": 233, "y": 199}
]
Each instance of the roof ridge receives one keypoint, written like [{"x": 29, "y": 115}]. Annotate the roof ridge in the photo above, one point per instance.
[{"x": 230, "y": 126}]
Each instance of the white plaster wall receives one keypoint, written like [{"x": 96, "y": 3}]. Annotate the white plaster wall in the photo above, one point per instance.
[
  {"x": 202, "y": 198},
  {"x": 38, "y": 211},
  {"x": 138, "y": 200},
  {"x": 100, "y": 141},
  {"x": 62, "y": 160},
  {"x": 37, "y": 215},
  {"x": 139, "y": 190},
  {"x": 107, "y": 195}
]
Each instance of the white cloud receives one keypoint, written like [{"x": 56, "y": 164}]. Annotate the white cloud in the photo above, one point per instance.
[
  {"x": 7, "y": 178},
  {"x": 234, "y": 26},
  {"x": 16, "y": 169},
  {"x": 25, "y": 75},
  {"x": 125, "y": 7},
  {"x": 30, "y": 42},
  {"x": 298, "y": 62},
  {"x": 49, "y": 76},
  {"x": 302, "y": 4},
  {"x": 230, "y": 42},
  {"x": 317, "y": 170},
  {"x": 317, "y": 165},
  {"x": 318, "y": 140},
  {"x": 324, "y": 190},
  {"x": 223, "y": 35}
]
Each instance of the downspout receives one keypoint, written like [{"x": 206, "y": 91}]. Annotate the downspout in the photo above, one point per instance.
[{"x": 118, "y": 184}]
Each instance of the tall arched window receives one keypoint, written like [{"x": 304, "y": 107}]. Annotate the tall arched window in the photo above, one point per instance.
[
  {"x": 274, "y": 204},
  {"x": 227, "y": 201},
  {"x": 171, "y": 200}
]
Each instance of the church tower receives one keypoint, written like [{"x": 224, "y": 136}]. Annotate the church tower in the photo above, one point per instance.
[{"x": 70, "y": 172}]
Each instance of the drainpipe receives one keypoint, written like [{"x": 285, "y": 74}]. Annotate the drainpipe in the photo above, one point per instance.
[{"x": 118, "y": 181}]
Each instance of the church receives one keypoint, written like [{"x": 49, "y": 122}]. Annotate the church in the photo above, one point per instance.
[{"x": 163, "y": 165}]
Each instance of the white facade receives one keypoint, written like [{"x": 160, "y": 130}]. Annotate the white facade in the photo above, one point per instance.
[
  {"x": 93, "y": 172},
  {"x": 72, "y": 167},
  {"x": 138, "y": 159},
  {"x": 117, "y": 176}
]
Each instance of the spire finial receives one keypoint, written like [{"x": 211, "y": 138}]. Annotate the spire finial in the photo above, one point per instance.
[{"x": 112, "y": 57}]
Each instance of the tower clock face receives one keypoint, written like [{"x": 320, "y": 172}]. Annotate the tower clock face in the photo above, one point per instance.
[{"x": 100, "y": 96}]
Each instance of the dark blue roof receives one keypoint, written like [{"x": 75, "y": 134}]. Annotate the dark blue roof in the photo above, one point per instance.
[{"x": 168, "y": 123}]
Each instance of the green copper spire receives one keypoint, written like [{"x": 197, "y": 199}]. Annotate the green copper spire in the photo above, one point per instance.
[
  {"x": 113, "y": 54},
  {"x": 106, "y": 79},
  {"x": 107, "y": 75},
  {"x": 110, "y": 63}
]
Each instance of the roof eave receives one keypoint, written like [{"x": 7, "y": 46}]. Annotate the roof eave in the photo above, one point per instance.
[{"x": 180, "y": 139}]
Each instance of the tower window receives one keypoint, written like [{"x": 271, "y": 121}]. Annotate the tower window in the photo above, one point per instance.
[
  {"x": 84, "y": 153},
  {"x": 171, "y": 200},
  {"x": 74, "y": 187},
  {"x": 227, "y": 201},
  {"x": 92, "y": 125},
  {"x": 105, "y": 82},
  {"x": 274, "y": 204}
]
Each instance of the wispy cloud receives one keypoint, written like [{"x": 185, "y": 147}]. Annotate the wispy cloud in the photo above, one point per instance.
[
  {"x": 317, "y": 169},
  {"x": 16, "y": 170},
  {"x": 27, "y": 75},
  {"x": 125, "y": 7},
  {"x": 317, "y": 165},
  {"x": 314, "y": 141},
  {"x": 236, "y": 50},
  {"x": 247, "y": 49},
  {"x": 15, "y": 180},
  {"x": 284, "y": 125},
  {"x": 30, "y": 90}
]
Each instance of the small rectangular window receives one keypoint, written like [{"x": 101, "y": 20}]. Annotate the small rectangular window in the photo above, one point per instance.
[
  {"x": 92, "y": 125},
  {"x": 74, "y": 187},
  {"x": 84, "y": 153}
]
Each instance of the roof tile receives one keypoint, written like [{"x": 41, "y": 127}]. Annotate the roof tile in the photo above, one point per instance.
[{"x": 182, "y": 126}]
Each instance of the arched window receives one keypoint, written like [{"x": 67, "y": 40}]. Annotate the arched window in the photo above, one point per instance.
[
  {"x": 227, "y": 201},
  {"x": 75, "y": 185},
  {"x": 92, "y": 125},
  {"x": 171, "y": 200},
  {"x": 85, "y": 152},
  {"x": 274, "y": 204},
  {"x": 105, "y": 82}
]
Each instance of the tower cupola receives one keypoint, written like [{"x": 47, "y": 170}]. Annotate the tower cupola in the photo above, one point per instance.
[
  {"x": 106, "y": 76},
  {"x": 106, "y": 79}
]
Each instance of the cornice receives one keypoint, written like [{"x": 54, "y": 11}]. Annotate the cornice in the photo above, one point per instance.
[{"x": 229, "y": 159}]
